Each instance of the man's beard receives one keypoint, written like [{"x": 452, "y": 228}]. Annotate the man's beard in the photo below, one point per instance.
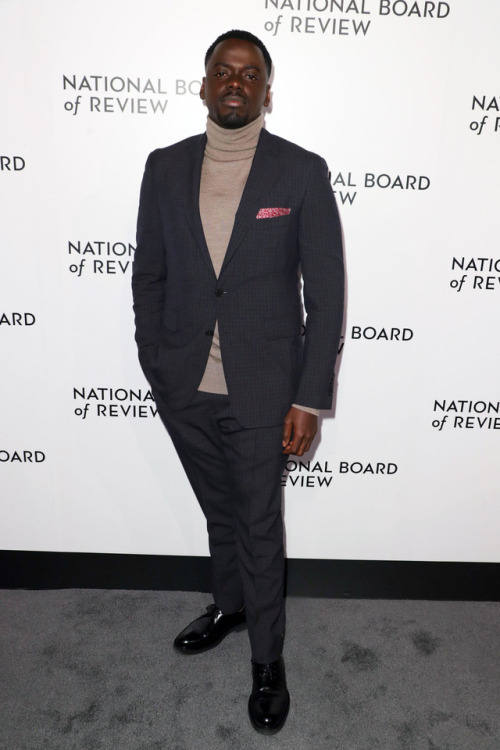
[{"x": 233, "y": 120}]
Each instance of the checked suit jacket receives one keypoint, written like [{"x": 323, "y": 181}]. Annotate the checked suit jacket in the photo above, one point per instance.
[{"x": 268, "y": 362}]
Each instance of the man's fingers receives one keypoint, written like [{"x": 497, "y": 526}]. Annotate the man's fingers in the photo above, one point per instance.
[
  {"x": 287, "y": 431},
  {"x": 304, "y": 446},
  {"x": 298, "y": 447},
  {"x": 293, "y": 445},
  {"x": 299, "y": 429}
]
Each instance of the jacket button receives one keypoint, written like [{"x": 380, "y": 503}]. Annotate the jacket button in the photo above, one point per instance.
[
  {"x": 219, "y": 292},
  {"x": 209, "y": 333}
]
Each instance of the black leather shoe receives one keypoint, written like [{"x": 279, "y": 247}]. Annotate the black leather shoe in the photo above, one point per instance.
[
  {"x": 269, "y": 702},
  {"x": 208, "y": 630}
]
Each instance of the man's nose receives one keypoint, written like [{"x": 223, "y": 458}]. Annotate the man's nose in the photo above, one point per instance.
[{"x": 234, "y": 81}]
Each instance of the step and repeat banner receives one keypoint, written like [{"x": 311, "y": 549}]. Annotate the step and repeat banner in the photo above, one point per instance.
[{"x": 402, "y": 98}]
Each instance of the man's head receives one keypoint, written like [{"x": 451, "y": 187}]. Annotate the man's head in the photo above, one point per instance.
[{"x": 235, "y": 87}]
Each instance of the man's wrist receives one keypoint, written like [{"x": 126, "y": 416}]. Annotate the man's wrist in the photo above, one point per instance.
[{"x": 308, "y": 409}]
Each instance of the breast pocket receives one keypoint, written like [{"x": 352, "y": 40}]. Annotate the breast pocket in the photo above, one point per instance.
[{"x": 275, "y": 222}]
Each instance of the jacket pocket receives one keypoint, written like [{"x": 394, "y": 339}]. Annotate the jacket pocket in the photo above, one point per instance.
[
  {"x": 283, "y": 327},
  {"x": 170, "y": 320}
]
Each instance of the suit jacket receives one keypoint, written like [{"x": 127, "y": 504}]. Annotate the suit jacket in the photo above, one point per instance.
[{"x": 268, "y": 362}]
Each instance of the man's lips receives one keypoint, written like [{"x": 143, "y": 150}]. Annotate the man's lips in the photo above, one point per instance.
[{"x": 232, "y": 100}]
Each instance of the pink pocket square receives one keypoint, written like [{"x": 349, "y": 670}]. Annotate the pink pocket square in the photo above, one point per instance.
[{"x": 271, "y": 213}]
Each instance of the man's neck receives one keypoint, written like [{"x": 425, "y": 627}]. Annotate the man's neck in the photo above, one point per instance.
[{"x": 226, "y": 144}]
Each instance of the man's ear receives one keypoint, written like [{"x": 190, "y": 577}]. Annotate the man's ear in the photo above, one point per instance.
[
  {"x": 202, "y": 90},
  {"x": 268, "y": 95}
]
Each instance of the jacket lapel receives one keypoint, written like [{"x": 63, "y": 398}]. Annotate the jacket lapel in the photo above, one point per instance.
[
  {"x": 263, "y": 172},
  {"x": 192, "y": 208}
]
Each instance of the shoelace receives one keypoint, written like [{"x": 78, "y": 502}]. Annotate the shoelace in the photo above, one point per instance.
[
  {"x": 267, "y": 673},
  {"x": 212, "y": 608}
]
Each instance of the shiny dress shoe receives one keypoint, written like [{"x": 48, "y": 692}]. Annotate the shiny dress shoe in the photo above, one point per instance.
[
  {"x": 269, "y": 701},
  {"x": 208, "y": 630}
]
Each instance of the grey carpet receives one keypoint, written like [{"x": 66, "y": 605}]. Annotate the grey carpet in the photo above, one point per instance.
[{"x": 95, "y": 670}]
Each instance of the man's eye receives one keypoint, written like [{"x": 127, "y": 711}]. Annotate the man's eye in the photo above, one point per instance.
[
  {"x": 220, "y": 73},
  {"x": 252, "y": 77}
]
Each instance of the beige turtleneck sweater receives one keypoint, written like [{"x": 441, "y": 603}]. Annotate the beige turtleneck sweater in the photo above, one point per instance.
[
  {"x": 225, "y": 169},
  {"x": 226, "y": 165}
]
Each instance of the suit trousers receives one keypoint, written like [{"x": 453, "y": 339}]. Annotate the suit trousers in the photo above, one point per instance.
[{"x": 236, "y": 476}]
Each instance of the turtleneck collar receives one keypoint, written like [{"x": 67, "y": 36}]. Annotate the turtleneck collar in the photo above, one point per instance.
[{"x": 227, "y": 144}]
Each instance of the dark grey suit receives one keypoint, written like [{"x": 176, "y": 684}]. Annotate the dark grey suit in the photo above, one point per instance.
[{"x": 268, "y": 364}]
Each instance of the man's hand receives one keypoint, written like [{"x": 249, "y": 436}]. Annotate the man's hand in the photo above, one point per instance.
[{"x": 299, "y": 429}]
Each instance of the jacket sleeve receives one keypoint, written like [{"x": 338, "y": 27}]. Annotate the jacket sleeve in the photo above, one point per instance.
[
  {"x": 149, "y": 270},
  {"x": 322, "y": 265}
]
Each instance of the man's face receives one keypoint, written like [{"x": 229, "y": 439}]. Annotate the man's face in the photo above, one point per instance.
[{"x": 235, "y": 87}]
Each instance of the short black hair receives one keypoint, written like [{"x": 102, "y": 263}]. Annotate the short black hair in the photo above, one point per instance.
[{"x": 247, "y": 37}]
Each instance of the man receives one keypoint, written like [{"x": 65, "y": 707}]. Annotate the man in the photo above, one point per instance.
[{"x": 225, "y": 221}]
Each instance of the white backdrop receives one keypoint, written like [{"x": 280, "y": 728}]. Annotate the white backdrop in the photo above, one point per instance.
[{"x": 402, "y": 99}]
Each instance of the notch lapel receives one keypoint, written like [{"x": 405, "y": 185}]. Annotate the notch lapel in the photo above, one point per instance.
[
  {"x": 263, "y": 173},
  {"x": 192, "y": 207}
]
